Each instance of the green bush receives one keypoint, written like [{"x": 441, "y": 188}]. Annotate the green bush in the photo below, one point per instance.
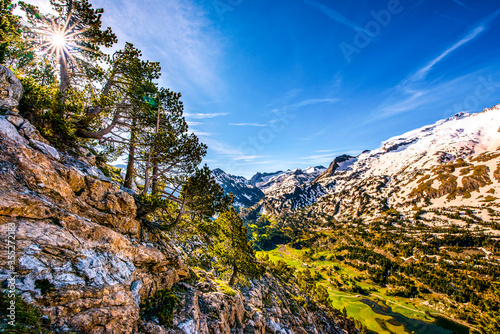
[
  {"x": 112, "y": 172},
  {"x": 160, "y": 307},
  {"x": 28, "y": 319},
  {"x": 41, "y": 105},
  {"x": 226, "y": 288}
]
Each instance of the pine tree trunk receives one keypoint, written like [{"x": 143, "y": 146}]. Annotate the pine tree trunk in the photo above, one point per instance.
[
  {"x": 146, "y": 175},
  {"x": 233, "y": 276},
  {"x": 64, "y": 76},
  {"x": 129, "y": 176},
  {"x": 155, "y": 185},
  {"x": 147, "y": 179}
]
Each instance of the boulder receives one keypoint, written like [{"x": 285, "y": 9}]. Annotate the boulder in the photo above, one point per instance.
[{"x": 11, "y": 90}]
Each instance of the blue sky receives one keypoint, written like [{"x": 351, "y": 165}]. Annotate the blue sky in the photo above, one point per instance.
[{"x": 273, "y": 85}]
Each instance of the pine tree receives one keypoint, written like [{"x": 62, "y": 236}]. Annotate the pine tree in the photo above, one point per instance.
[
  {"x": 114, "y": 108},
  {"x": 72, "y": 38},
  {"x": 233, "y": 250},
  {"x": 9, "y": 25}
]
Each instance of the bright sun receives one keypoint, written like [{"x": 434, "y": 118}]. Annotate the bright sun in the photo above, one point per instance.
[
  {"x": 58, "y": 40},
  {"x": 59, "y": 37}
]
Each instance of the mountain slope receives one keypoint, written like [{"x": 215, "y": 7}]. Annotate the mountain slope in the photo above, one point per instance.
[
  {"x": 244, "y": 193},
  {"x": 389, "y": 175},
  {"x": 273, "y": 182},
  {"x": 416, "y": 222},
  {"x": 249, "y": 192}
]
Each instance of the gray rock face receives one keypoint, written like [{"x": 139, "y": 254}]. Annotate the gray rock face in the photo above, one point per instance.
[
  {"x": 78, "y": 233},
  {"x": 11, "y": 90},
  {"x": 9, "y": 131}
]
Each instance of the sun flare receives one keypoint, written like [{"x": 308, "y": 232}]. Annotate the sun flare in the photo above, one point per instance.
[
  {"x": 58, "y": 40},
  {"x": 59, "y": 37}
]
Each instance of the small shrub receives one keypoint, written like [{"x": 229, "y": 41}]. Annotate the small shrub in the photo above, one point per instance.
[
  {"x": 489, "y": 198},
  {"x": 28, "y": 319},
  {"x": 112, "y": 172},
  {"x": 227, "y": 289},
  {"x": 160, "y": 307},
  {"x": 44, "y": 285}
]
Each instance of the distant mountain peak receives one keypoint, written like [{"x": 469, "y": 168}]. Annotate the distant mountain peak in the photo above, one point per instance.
[
  {"x": 272, "y": 182},
  {"x": 342, "y": 161},
  {"x": 416, "y": 166},
  {"x": 244, "y": 193}
]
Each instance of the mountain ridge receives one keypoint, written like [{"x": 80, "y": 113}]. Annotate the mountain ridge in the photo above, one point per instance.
[
  {"x": 249, "y": 192},
  {"x": 399, "y": 157}
]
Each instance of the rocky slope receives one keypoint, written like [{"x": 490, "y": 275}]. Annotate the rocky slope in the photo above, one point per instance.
[
  {"x": 244, "y": 193},
  {"x": 85, "y": 260},
  {"x": 249, "y": 192},
  {"x": 281, "y": 181},
  {"x": 452, "y": 162}
]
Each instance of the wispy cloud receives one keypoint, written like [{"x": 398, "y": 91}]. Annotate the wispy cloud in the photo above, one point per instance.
[
  {"x": 413, "y": 92},
  {"x": 327, "y": 151},
  {"x": 250, "y": 157},
  {"x": 319, "y": 157},
  {"x": 334, "y": 15},
  {"x": 230, "y": 152},
  {"x": 178, "y": 33},
  {"x": 222, "y": 148},
  {"x": 422, "y": 73},
  {"x": 450, "y": 18},
  {"x": 312, "y": 102},
  {"x": 201, "y": 133},
  {"x": 203, "y": 116},
  {"x": 460, "y": 3},
  {"x": 249, "y": 124},
  {"x": 191, "y": 123}
]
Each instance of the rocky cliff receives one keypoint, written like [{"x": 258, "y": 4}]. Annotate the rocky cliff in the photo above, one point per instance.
[{"x": 88, "y": 264}]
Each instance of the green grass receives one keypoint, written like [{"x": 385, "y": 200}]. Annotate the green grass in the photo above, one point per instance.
[
  {"x": 412, "y": 314},
  {"x": 226, "y": 288}
]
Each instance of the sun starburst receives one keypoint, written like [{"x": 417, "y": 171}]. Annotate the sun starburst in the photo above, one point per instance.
[{"x": 59, "y": 37}]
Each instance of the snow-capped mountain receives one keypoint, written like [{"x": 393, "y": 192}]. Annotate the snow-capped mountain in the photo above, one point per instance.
[
  {"x": 340, "y": 163},
  {"x": 244, "y": 193},
  {"x": 275, "y": 182},
  {"x": 446, "y": 163},
  {"x": 249, "y": 192}
]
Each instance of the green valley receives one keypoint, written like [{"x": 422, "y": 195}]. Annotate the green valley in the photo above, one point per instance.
[{"x": 394, "y": 274}]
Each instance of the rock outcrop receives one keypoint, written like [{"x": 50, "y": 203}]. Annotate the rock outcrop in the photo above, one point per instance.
[
  {"x": 79, "y": 248},
  {"x": 11, "y": 90},
  {"x": 84, "y": 259}
]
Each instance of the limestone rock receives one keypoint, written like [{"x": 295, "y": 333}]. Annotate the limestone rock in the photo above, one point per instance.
[
  {"x": 16, "y": 120},
  {"x": 45, "y": 148},
  {"x": 78, "y": 233},
  {"x": 30, "y": 132},
  {"x": 9, "y": 131},
  {"x": 11, "y": 90}
]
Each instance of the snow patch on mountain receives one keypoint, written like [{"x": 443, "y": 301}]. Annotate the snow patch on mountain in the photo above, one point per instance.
[
  {"x": 244, "y": 193},
  {"x": 395, "y": 163},
  {"x": 272, "y": 182}
]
